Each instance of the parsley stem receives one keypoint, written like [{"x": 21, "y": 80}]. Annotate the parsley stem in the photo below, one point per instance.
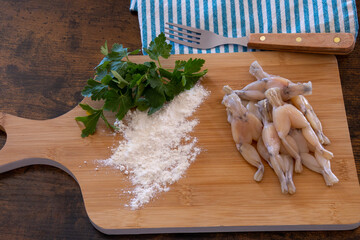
[{"x": 158, "y": 60}]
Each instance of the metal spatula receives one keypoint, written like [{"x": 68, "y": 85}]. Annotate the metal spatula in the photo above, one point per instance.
[{"x": 326, "y": 43}]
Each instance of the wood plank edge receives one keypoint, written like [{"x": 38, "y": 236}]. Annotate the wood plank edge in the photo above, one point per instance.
[{"x": 326, "y": 227}]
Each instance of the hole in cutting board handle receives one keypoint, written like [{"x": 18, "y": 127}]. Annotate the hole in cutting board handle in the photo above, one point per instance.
[{"x": 3, "y": 137}]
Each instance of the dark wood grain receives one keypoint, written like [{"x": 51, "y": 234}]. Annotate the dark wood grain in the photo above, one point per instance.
[{"x": 47, "y": 52}]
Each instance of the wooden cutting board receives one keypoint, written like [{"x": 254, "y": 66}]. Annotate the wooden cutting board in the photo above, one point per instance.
[{"x": 218, "y": 192}]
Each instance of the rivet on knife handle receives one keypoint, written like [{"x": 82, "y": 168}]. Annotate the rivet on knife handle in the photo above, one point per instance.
[{"x": 328, "y": 43}]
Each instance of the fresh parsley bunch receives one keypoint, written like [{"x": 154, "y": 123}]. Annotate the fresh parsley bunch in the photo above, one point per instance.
[{"x": 124, "y": 85}]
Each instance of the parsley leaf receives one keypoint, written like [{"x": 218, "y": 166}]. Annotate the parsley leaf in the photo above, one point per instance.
[
  {"x": 191, "y": 72},
  {"x": 117, "y": 52},
  {"x": 142, "y": 104},
  {"x": 154, "y": 79},
  {"x": 119, "y": 103},
  {"x": 104, "y": 49},
  {"x": 134, "y": 52},
  {"x": 159, "y": 47},
  {"x": 193, "y": 65},
  {"x": 120, "y": 80},
  {"x": 155, "y": 97},
  {"x": 89, "y": 121},
  {"x": 96, "y": 90}
]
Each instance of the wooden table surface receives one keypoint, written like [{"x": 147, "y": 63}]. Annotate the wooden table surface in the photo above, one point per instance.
[{"x": 47, "y": 51}]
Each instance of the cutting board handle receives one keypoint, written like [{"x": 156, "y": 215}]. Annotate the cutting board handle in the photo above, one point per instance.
[
  {"x": 56, "y": 142},
  {"x": 13, "y": 155},
  {"x": 11, "y": 159}
]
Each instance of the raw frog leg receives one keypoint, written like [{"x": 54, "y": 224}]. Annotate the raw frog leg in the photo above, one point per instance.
[
  {"x": 255, "y": 91},
  {"x": 301, "y": 103},
  {"x": 272, "y": 143},
  {"x": 312, "y": 162},
  {"x": 287, "y": 165},
  {"x": 245, "y": 128},
  {"x": 260, "y": 146},
  {"x": 286, "y": 116}
]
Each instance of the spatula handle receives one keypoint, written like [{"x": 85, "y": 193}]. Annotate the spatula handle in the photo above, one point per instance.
[{"x": 326, "y": 43}]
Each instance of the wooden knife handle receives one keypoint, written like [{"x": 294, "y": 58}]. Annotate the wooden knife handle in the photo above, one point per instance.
[{"x": 326, "y": 43}]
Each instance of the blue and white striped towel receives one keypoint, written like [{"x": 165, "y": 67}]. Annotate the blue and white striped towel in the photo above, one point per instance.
[{"x": 236, "y": 18}]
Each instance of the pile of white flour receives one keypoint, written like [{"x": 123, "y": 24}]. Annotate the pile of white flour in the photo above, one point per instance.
[{"x": 157, "y": 149}]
